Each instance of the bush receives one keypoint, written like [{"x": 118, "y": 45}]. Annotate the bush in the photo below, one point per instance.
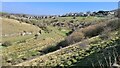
[
  {"x": 6, "y": 43},
  {"x": 75, "y": 37},
  {"x": 105, "y": 34},
  {"x": 27, "y": 21},
  {"x": 74, "y": 17},
  {"x": 62, "y": 44},
  {"x": 83, "y": 33},
  {"x": 115, "y": 24},
  {"x": 71, "y": 39},
  {"x": 70, "y": 32},
  {"x": 49, "y": 49},
  {"x": 71, "y": 21},
  {"x": 24, "y": 58},
  {"x": 92, "y": 30},
  {"x": 36, "y": 36},
  {"x": 55, "y": 20}
]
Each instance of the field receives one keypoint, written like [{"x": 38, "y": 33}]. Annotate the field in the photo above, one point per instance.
[
  {"x": 63, "y": 41},
  {"x": 21, "y": 45}
]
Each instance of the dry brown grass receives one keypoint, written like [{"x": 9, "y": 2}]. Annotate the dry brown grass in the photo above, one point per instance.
[{"x": 10, "y": 26}]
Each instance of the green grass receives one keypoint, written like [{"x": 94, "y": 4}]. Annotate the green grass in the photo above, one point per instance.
[
  {"x": 26, "y": 50},
  {"x": 30, "y": 48},
  {"x": 94, "y": 58},
  {"x": 74, "y": 53},
  {"x": 16, "y": 38},
  {"x": 1, "y": 47},
  {"x": 68, "y": 19}
]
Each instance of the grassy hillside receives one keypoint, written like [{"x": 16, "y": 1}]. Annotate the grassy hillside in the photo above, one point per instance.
[
  {"x": 76, "y": 54},
  {"x": 10, "y": 26},
  {"x": 62, "y": 41},
  {"x": 22, "y": 48}
]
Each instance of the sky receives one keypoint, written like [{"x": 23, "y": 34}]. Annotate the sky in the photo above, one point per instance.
[
  {"x": 60, "y": 0},
  {"x": 53, "y": 8}
]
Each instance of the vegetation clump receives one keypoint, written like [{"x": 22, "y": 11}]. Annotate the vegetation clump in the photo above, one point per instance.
[{"x": 7, "y": 43}]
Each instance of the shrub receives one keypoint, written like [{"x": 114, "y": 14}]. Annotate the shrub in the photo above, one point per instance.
[
  {"x": 105, "y": 34},
  {"x": 71, "y": 21},
  {"x": 83, "y": 33},
  {"x": 62, "y": 44},
  {"x": 75, "y": 37},
  {"x": 55, "y": 20},
  {"x": 118, "y": 60},
  {"x": 71, "y": 39},
  {"x": 70, "y": 32},
  {"x": 24, "y": 58},
  {"x": 92, "y": 30},
  {"x": 27, "y": 21},
  {"x": 74, "y": 17},
  {"x": 49, "y": 49},
  {"x": 115, "y": 24},
  {"x": 6, "y": 43},
  {"x": 36, "y": 36},
  {"x": 40, "y": 31}
]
